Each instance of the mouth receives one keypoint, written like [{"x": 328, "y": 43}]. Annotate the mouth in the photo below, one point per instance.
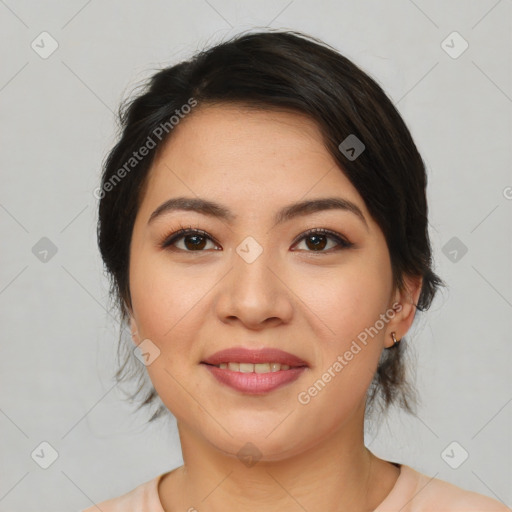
[{"x": 254, "y": 371}]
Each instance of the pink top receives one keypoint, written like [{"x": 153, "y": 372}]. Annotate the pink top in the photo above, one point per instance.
[{"x": 412, "y": 492}]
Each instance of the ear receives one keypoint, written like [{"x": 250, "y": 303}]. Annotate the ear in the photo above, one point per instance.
[
  {"x": 404, "y": 305},
  {"x": 128, "y": 313},
  {"x": 134, "y": 330}
]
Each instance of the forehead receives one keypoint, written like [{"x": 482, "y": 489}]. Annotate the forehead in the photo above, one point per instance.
[
  {"x": 223, "y": 133},
  {"x": 249, "y": 158}
]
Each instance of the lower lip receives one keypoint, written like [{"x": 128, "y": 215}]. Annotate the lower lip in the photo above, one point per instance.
[{"x": 255, "y": 383}]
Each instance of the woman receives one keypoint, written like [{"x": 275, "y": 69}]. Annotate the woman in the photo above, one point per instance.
[{"x": 263, "y": 219}]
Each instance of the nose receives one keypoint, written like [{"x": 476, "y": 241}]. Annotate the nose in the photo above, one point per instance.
[{"x": 255, "y": 293}]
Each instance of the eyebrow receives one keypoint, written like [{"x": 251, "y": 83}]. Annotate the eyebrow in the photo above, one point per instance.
[{"x": 291, "y": 211}]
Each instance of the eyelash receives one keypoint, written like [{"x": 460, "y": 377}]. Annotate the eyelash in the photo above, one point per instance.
[{"x": 175, "y": 236}]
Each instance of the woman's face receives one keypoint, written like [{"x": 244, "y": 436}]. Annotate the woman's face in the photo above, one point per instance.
[{"x": 252, "y": 279}]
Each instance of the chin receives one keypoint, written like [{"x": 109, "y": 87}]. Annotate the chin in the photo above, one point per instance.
[{"x": 266, "y": 444}]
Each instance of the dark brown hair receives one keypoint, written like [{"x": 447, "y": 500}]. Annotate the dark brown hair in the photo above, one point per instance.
[{"x": 274, "y": 69}]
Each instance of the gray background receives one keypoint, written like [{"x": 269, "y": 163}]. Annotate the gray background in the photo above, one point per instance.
[{"x": 58, "y": 340}]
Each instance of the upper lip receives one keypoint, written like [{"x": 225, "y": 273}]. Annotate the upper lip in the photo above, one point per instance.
[{"x": 247, "y": 355}]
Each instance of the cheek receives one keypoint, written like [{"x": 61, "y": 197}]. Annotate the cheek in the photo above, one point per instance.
[
  {"x": 167, "y": 304},
  {"x": 347, "y": 307},
  {"x": 164, "y": 295},
  {"x": 348, "y": 350},
  {"x": 347, "y": 300},
  {"x": 170, "y": 305}
]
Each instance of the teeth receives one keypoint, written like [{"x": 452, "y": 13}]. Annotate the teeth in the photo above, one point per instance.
[
  {"x": 262, "y": 368},
  {"x": 256, "y": 368},
  {"x": 246, "y": 367}
]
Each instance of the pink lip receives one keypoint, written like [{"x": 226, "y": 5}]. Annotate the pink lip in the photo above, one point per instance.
[
  {"x": 255, "y": 383},
  {"x": 263, "y": 355}
]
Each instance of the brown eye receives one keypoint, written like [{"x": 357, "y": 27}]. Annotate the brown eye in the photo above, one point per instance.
[
  {"x": 193, "y": 240},
  {"x": 316, "y": 240}
]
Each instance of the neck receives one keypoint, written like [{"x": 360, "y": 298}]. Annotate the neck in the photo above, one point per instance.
[{"x": 338, "y": 473}]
